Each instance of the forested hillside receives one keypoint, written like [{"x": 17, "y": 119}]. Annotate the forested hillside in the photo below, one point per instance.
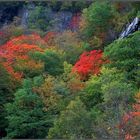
[{"x": 70, "y": 70}]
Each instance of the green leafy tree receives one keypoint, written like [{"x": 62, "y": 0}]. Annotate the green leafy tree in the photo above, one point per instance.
[
  {"x": 48, "y": 94},
  {"x": 124, "y": 55},
  {"x": 5, "y": 97},
  {"x": 74, "y": 122},
  {"x": 39, "y": 18},
  {"x": 118, "y": 95},
  {"x": 98, "y": 17},
  {"x": 53, "y": 61},
  {"x": 108, "y": 97},
  {"x": 25, "y": 115},
  {"x": 92, "y": 94}
]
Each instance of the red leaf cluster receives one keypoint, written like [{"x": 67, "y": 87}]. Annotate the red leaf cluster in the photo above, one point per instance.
[
  {"x": 89, "y": 63},
  {"x": 18, "y": 49}
]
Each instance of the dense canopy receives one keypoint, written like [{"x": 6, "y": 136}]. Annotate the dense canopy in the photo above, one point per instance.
[{"x": 66, "y": 74}]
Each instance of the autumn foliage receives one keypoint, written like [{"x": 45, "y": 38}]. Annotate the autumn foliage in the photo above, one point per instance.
[
  {"x": 49, "y": 37},
  {"x": 130, "y": 124},
  {"x": 66, "y": 74},
  {"x": 89, "y": 63},
  {"x": 16, "y": 50}
]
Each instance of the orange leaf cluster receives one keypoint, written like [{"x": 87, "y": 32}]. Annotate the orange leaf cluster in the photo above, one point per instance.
[{"x": 18, "y": 49}]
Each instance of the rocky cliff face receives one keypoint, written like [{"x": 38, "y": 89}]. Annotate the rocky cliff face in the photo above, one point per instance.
[
  {"x": 8, "y": 10},
  {"x": 62, "y": 19}
]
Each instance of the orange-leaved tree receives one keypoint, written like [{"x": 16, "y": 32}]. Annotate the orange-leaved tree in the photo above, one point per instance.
[{"x": 17, "y": 50}]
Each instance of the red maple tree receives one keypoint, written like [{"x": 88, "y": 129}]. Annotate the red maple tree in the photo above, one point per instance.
[{"x": 89, "y": 63}]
